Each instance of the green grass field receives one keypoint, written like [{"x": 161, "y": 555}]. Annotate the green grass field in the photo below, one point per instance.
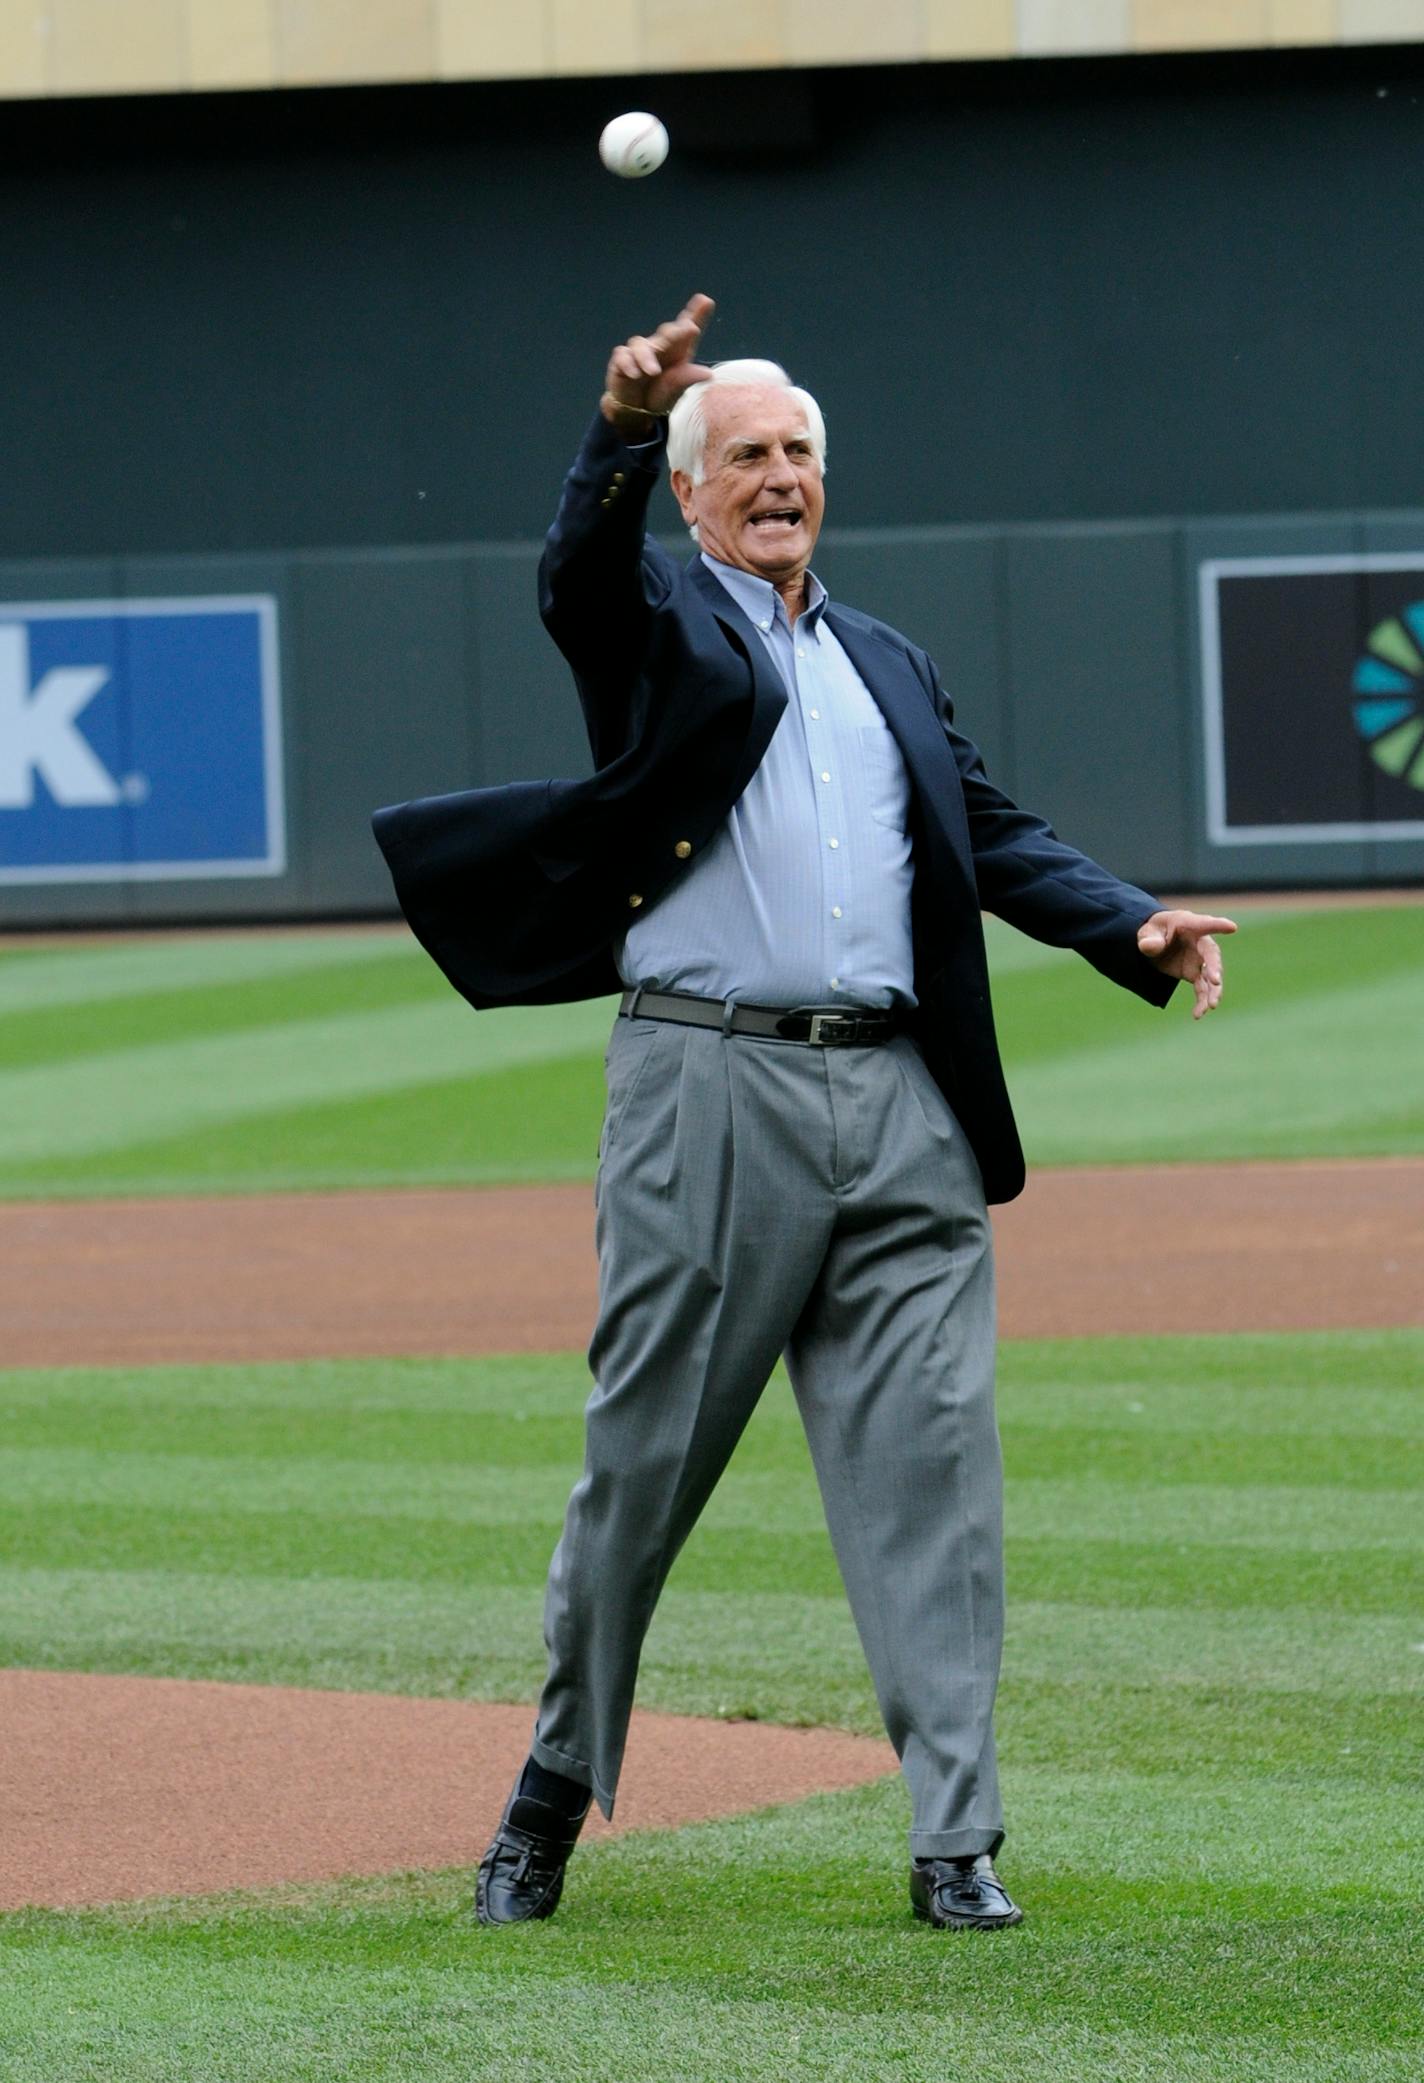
[
  {"x": 1210, "y": 1729},
  {"x": 249, "y": 1062},
  {"x": 1213, "y": 1703}
]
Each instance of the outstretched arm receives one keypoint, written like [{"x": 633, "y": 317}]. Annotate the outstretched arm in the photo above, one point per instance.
[{"x": 1028, "y": 876}]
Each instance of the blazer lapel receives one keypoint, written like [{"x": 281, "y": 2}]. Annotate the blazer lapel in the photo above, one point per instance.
[
  {"x": 905, "y": 704},
  {"x": 766, "y": 680}
]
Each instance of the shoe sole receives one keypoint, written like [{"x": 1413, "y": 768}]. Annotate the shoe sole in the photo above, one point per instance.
[{"x": 967, "y": 1923}]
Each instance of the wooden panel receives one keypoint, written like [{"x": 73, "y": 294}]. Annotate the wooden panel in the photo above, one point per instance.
[
  {"x": 970, "y": 28},
  {"x": 329, "y": 40},
  {"x": 1307, "y": 21},
  {"x": 1050, "y": 26},
  {"x": 1200, "y": 25},
  {"x": 830, "y": 32},
  {"x": 24, "y": 50},
  {"x": 602, "y": 39},
  {"x": 692, "y": 34},
  {"x": 96, "y": 46},
  {"x": 231, "y": 43},
  {"x": 100, "y": 48},
  {"x": 1381, "y": 21},
  {"x": 492, "y": 39}
]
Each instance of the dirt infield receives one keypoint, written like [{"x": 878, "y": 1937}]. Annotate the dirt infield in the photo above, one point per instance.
[
  {"x": 122, "y": 1787},
  {"x": 117, "y": 1788},
  {"x": 1310, "y": 1245}
]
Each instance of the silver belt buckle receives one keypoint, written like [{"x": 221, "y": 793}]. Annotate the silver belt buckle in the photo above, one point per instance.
[{"x": 820, "y": 1021}]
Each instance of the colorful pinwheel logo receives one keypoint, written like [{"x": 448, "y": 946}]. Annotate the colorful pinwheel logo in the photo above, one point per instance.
[{"x": 1389, "y": 695}]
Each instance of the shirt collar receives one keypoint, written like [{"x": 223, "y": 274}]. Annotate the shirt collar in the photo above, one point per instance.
[{"x": 759, "y": 599}]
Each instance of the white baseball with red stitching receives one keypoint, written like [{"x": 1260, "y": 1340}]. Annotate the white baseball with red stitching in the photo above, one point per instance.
[{"x": 633, "y": 145}]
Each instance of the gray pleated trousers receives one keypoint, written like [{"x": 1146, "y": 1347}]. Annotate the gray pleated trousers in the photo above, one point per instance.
[{"x": 758, "y": 1198}]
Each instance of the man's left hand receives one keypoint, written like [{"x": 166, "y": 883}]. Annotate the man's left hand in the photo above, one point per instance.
[{"x": 1182, "y": 943}]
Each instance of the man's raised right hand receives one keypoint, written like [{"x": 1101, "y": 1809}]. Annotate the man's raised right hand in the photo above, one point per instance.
[{"x": 649, "y": 373}]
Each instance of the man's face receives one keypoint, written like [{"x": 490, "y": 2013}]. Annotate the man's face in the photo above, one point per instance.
[{"x": 761, "y": 498}]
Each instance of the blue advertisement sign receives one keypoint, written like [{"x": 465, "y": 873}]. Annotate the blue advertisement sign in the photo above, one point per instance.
[{"x": 139, "y": 740}]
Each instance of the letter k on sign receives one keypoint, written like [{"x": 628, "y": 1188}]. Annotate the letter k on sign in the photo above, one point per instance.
[{"x": 39, "y": 733}]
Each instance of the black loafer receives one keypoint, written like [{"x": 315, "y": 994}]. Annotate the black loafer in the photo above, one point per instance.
[
  {"x": 522, "y": 1874},
  {"x": 961, "y": 1895}
]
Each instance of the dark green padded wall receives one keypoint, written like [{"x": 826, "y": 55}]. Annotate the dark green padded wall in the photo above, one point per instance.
[{"x": 1072, "y": 324}]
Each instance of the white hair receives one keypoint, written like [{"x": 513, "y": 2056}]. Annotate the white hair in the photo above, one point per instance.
[{"x": 687, "y": 422}]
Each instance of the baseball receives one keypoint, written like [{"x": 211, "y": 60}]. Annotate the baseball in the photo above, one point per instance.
[{"x": 633, "y": 145}]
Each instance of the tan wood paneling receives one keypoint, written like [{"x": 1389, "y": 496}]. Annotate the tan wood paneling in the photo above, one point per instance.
[
  {"x": 147, "y": 46},
  {"x": 970, "y": 28},
  {"x": 830, "y": 32},
  {"x": 602, "y": 38},
  {"x": 1049, "y": 27},
  {"x": 711, "y": 34},
  {"x": 1382, "y": 21},
  {"x": 24, "y": 49},
  {"x": 231, "y": 43},
  {"x": 493, "y": 39},
  {"x": 1304, "y": 21},
  {"x": 336, "y": 41},
  {"x": 100, "y": 47},
  {"x": 1200, "y": 25}
]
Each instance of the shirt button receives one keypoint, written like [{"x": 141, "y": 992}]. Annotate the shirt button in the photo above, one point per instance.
[
  {"x": 799, "y": 652},
  {"x": 835, "y": 983},
  {"x": 825, "y": 777},
  {"x": 833, "y": 842},
  {"x": 683, "y": 849},
  {"x": 835, "y": 911},
  {"x": 634, "y": 901},
  {"x": 815, "y": 715},
  {"x": 763, "y": 625}
]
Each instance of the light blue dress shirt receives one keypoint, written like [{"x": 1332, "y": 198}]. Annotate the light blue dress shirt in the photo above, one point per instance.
[{"x": 803, "y": 897}]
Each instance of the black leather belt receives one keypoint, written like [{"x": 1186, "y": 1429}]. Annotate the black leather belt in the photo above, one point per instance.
[{"x": 826, "y": 1030}]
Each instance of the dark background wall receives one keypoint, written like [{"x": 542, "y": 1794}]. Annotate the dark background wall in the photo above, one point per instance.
[{"x": 1028, "y": 295}]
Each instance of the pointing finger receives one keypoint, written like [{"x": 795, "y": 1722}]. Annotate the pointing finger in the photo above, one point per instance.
[{"x": 672, "y": 341}]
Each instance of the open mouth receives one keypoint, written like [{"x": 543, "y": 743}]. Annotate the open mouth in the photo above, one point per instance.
[{"x": 777, "y": 517}]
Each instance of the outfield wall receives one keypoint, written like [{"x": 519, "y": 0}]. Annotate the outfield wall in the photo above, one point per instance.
[
  {"x": 332, "y": 351},
  {"x": 1074, "y": 655}
]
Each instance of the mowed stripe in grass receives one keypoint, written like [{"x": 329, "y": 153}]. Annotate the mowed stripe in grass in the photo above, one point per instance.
[
  {"x": 277, "y": 1061},
  {"x": 1209, "y": 1726},
  {"x": 262, "y": 1516}
]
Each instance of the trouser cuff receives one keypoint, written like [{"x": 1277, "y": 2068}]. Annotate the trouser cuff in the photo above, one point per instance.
[
  {"x": 954, "y": 1844},
  {"x": 575, "y": 1769}
]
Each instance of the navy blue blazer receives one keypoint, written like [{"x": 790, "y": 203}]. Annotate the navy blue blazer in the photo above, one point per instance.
[{"x": 520, "y": 893}]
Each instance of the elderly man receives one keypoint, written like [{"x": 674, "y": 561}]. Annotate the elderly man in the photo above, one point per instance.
[{"x": 782, "y": 857}]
